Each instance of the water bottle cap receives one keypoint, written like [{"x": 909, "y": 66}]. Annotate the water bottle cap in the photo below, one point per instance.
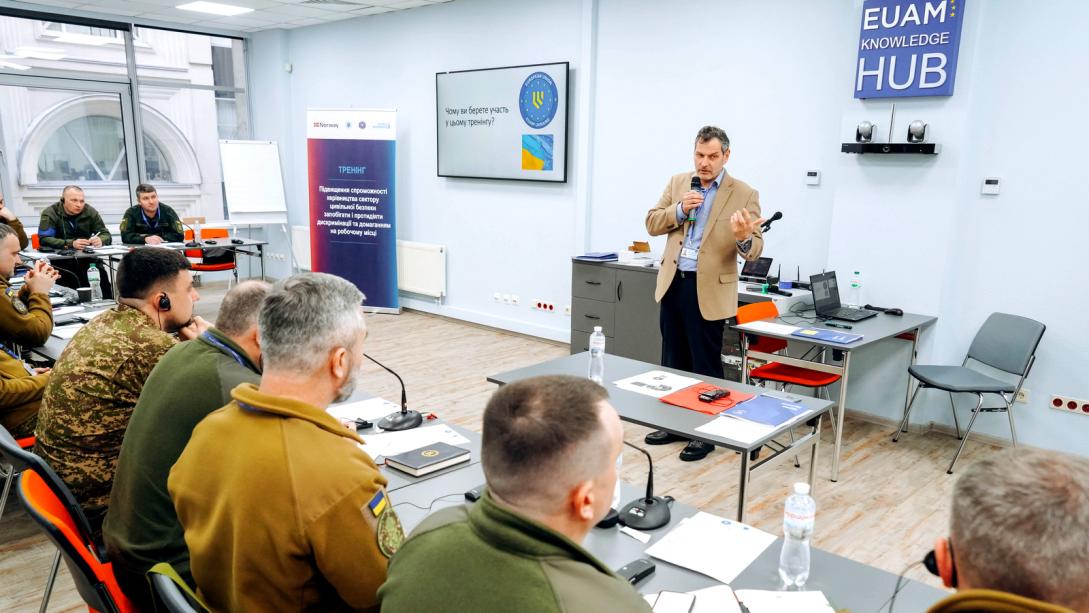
[
  {"x": 597, "y": 328},
  {"x": 801, "y": 488}
]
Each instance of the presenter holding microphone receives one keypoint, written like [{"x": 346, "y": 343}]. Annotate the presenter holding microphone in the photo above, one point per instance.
[{"x": 709, "y": 219}]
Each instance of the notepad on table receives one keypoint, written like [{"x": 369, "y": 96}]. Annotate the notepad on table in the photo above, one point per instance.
[
  {"x": 768, "y": 411},
  {"x": 428, "y": 459},
  {"x": 714, "y": 546}
]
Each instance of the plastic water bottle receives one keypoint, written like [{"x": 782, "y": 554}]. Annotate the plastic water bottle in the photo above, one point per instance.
[
  {"x": 597, "y": 355},
  {"x": 94, "y": 279},
  {"x": 798, "y": 519},
  {"x": 855, "y": 295}
]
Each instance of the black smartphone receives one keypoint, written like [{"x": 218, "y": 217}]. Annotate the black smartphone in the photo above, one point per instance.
[
  {"x": 714, "y": 394},
  {"x": 634, "y": 572}
]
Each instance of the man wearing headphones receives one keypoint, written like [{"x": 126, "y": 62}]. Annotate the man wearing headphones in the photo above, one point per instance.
[
  {"x": 98, "y": 379},
  {"x": 1019, "y": 535},
  {"x": 71, "y": 223},
  {"x": 150, "y": 222}
]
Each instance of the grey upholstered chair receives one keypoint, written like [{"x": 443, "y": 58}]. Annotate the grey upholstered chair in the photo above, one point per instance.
[{"x": 1005, "y": 342}]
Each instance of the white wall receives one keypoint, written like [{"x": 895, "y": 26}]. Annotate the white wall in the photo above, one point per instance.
[{"x": 778, "y": 77}]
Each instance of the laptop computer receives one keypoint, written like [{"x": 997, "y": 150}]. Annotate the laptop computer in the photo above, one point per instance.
[
  {"x": 757, "y": 270},
  {"x": 826, "y": 300}
]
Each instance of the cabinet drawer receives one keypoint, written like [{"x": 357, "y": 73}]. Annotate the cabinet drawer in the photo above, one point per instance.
[
  {"x": 586, "y": 313},
  {"x": 593, "y": 281},
  {"x": 580, "y": 341}
]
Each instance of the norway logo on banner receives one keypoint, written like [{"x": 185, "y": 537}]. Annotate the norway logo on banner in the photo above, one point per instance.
[{"x": 908, "y": 48}]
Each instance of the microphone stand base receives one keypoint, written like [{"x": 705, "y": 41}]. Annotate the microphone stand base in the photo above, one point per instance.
[
  {"x": 645, "y": 513},
  {"x": 401, "y": 421},
  {"x": 609, "y": 520}
]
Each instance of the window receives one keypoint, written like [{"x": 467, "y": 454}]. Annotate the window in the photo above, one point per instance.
[
  {"x": 80, "y": 30},
  {"x": 92, "y": 148}
]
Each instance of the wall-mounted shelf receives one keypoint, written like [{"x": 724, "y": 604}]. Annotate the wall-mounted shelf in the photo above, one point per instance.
[{"x": 917, "y": 148}]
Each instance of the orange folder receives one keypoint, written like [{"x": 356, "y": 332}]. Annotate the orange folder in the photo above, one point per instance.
[{"x": 689, "y": 398}]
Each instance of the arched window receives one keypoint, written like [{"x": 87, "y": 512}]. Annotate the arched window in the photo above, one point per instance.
[{"x": 91, "y": 148}]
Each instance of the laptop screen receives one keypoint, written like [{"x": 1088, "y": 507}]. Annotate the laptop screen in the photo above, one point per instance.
[
  {"x": 825, "y": 292},
  {"x": 757, "y": 268}
]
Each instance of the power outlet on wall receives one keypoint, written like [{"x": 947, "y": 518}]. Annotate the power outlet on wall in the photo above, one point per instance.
[
  {"x": 1022, "y": 396},
  {"x": 1069, "y": 405}
]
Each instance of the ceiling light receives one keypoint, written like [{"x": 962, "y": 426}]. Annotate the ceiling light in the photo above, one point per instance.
[{"x": 214, "y": 8}]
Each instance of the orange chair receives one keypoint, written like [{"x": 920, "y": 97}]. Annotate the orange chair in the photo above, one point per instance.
[
  {"x": 8, "y": 474},
  {"x": 35, "y": 242},
  {"x": 215, "y": 234},
  {"x": 783, "y": 374},
  {"x": 93, "y": 576}
]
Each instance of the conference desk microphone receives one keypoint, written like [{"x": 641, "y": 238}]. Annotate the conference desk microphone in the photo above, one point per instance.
[
  {"x": 192, "y": 243},
  {"x": 404, "y": 419},
  {"x": 648, "y": 512}
]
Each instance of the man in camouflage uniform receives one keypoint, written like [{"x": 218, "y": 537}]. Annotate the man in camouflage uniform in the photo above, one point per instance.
[
  {"x": 71, "y": 223},
  {"x": 98, "y": 378},
  {"x": 9, "y": 218},
  {"x": 282, "y": 510},
  {"x": 150, "y": 222},
  {"x": 26, "y": 318}
]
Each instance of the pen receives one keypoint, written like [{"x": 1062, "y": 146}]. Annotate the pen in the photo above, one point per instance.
[{"x": 835, "y": 325}]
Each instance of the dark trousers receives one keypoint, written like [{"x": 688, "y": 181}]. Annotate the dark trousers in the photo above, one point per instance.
[
  {"x": 133, "y": 582},
  {"x": 689, "y": 342},
  {"x": 73, "y": 273}
]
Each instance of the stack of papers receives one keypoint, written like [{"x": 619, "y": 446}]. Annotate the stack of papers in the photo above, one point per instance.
[
  {"x": 768, "y": 327},
  {"x": 714, "y": 546},
  {"x": 763, "y": 601},
  {"x": 371, "y": 409},
  {"x": 66, "y": 332},
  {"x": 656, "y": 383},
  {"x": 739, "y": 430},
  {"x": 717, "y": 599},
  {"x": 393, "y": 443}
]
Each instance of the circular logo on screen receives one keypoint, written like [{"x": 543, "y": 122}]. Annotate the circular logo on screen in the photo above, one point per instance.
[
  {"x": 362, "y": 125},
  {"x": 538, "y": 100}
]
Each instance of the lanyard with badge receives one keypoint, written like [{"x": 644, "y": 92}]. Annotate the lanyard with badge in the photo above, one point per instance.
[
  {"x": 218, "y": 344},
  {"x": 687, "y": 252},
  {"x": 151, "y": 226}
]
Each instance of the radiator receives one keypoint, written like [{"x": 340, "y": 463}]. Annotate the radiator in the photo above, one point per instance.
[
  {"x": 300, "y": 246},
  {"x": 421, "y": 268}
]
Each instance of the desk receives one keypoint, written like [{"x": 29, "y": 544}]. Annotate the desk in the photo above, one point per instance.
[
  {"x": 653, "y": 413},
  {"x": 873, "y": 330},
  {"x": 847, "y": 584}
]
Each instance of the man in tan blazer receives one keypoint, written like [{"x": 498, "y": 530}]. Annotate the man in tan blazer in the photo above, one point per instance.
[{"x": 707, "y": 229}]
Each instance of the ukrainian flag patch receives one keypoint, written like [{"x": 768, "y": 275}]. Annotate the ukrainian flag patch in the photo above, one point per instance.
[{"x": 378, "y": 503}]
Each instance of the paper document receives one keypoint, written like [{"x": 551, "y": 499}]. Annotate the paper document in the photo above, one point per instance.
[
  {"x": 66, "y": 332},
  {"x": 717, "y": 599},
  {"x": 763, "y": 601},
  {"x": 714, "y": 546},
  {"x": 110, "y": 250},
  {"x": 392, "y": 443},
  {"x": 371, "y": 409},
  {"x": 66, "y": 310},
  {"x": 656, "y": 383},
  {"x": 740, "y": 430},
  {"x": 768, "y": 327}
]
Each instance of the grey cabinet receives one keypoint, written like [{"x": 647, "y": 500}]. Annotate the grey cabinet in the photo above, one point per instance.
[{"x": 620, "y": 299}]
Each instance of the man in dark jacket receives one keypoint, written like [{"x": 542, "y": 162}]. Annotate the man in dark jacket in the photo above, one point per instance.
[
  {"x": 150, "y": 222},
  {"x": 189, "y": 382},
  {"x": 549, "y": 453},
  {"x": 71, "y": 223}
]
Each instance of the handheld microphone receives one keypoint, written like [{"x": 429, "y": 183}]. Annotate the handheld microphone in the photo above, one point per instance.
[
  {"x": 405, "y": 419},
  {"x": 649, "y": 512},
  {"x": 767, "y": 224},
  {"x": 696, "y": 187}
]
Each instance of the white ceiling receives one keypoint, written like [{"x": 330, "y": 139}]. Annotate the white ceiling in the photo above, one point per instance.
[{"x": 267, "y": 14}]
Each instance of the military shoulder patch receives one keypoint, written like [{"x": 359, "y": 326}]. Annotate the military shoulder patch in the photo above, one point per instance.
[
  {"x": 20, "y": 306},
  {"x": 390, "y": 534},
  {"x": 378, "y": 503}
]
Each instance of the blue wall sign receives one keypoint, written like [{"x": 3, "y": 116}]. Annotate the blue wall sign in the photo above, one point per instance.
[{"x": 908, "y": 48}]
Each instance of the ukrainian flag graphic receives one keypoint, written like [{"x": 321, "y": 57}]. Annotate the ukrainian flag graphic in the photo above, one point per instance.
[{"x": 536, "y": 152}]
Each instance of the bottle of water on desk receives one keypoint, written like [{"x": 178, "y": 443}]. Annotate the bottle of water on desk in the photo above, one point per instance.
[
  {"x": 854, "y": 296},
  {"x": 597, "y": 355},
  {"x": 94, "y": 279},
  {"x": 798, "y": 519}
]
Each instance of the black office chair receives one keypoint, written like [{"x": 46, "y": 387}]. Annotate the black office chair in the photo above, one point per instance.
[
  {"x": 172, "y": 591},
  {"x": 1005, "y": 342}
]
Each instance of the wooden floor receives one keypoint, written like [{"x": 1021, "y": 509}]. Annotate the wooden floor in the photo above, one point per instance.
[{"x": 890, "y": 504}]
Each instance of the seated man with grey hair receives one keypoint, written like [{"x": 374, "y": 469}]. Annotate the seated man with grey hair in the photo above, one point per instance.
[
  {"x": 281, "y": 508},
  {"x": 1019, "y": 535},
  {"x": 549, "y": 454},
  {"x": 189, "y": 382}
]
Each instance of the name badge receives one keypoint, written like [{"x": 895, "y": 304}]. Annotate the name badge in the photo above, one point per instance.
[{"x": 690, "y": 254}]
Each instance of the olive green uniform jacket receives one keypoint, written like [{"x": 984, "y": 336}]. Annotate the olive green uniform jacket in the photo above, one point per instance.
[
  {"x": 20, "y": 231},
  {"x": 282, "y": 510},
  {"x": 484, "y": 558},
  {"x": 190, "y": 381},
  {"x": 90, "y": 396},
  {"x": 25, "y": 319},
  {"x": 135, "y": 226},
  {"x": 57, "y": 229}
]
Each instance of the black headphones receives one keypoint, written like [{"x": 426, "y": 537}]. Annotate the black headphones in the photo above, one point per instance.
[{"x": 164, "y": 302}]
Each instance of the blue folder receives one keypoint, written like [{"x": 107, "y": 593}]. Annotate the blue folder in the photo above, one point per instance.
[
  {"x": 830, "y": 336},
  {"x": 767, "y": 410}
]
